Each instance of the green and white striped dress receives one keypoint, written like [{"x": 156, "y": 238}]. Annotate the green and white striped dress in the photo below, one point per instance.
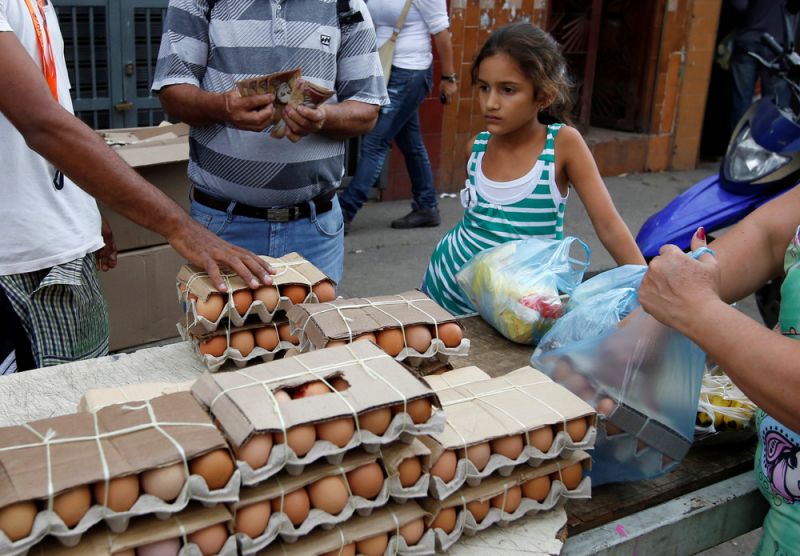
[{"x": 486, "y": 224}]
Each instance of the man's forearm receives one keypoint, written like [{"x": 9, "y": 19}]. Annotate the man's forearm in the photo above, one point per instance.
[
  {"x": 193, "y": 105},
  {"x": 349, "y": 119}
]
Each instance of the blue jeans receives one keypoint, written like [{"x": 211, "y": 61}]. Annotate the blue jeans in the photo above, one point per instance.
[
  {"x": 399, "y": 121},
  {"x": 318, "y": 238},
  {"x": 746, "y": 70}
]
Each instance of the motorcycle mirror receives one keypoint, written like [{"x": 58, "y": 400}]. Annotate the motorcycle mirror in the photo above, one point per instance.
[{"x": 770, "y": 42}]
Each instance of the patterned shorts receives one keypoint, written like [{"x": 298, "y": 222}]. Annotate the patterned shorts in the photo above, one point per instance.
[{"x": 62, "y": 310}]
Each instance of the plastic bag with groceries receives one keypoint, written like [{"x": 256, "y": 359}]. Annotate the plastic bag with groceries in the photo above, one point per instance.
[
  {"x": 518, "y": 287},
  {"x": 643, "y": 378}
]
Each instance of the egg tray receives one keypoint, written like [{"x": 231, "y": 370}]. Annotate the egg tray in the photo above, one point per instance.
[
  {"x": 279, "y": 524},
  {"x": 401, "y": 494},
  {"x": 401, "y": 428},
  {"x": 466, "y": 473},
  {"x": 213, "y": 364},
  {"x": 230, "y": 548},
  {"x": 49, "y": 523},
  {"x": 629, "y": 462}
]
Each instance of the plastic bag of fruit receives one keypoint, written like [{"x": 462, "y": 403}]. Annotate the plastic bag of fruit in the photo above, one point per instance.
[
  {"x": 724, "y": 413},
  {"x": 519, "y": 287}
]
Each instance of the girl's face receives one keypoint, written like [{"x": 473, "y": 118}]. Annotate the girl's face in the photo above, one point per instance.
[{"x": 506, "y": 95}]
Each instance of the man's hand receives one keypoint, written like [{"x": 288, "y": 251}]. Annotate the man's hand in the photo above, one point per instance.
[
  {"x": 214, "y": 254},
  {"x": 107, "y": 256},
  {"x": 303, "y": 120},
  {"x": 448, "y": 91},
  {"x": 252, "y": 113}
]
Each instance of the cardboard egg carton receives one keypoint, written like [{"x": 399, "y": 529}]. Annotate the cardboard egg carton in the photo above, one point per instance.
[
  {"x": 244, "y": 404},
  {"x": 232, "y": 354},
  {"x": 279, "y": 524},
  {"x": 147, "y": 530},
  {"x": 291, "y": 269},
  {"x": 496, "y": 486},
  {"x": 98, "y": 398},
  {"x": 394, "y": 455},
  {"x": 388, "y": 519},
  {"x": 317, "y": 325},
  {"x": 480, "y": 409},
  {"x": 116, "y": 441}
]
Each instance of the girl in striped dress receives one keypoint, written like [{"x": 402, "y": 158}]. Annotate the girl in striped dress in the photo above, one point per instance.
[{"x": 520, "y": 168}]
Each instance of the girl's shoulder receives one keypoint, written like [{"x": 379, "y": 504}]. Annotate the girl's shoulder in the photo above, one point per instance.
[{"x": 478, "y": 143}]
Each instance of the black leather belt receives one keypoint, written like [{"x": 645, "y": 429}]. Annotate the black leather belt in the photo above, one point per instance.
[{"x": 323, "y": 203}]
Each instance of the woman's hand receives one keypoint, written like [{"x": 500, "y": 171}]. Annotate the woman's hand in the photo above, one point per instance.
[{"x": 676, "y": 285}]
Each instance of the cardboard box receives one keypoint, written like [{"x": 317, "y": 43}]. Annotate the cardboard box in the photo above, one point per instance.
[
  {"x": 98, "y": 398},
  {"x": 160, "y": 154},
  {"x": 243, "y": 402},
  {"x": 141, "y": 296},
  {"x": 480, "y": 408},
  {"x": 384, "y": 520}
]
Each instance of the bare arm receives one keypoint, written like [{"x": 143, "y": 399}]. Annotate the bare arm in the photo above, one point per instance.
[
  {"x": 444, "y": 47},
  {"x": 341, "y": 120},
  {"x": 582, "y": 172},
  {"x": 199, "y": 108},
  {"x": 79, "y": 152}
]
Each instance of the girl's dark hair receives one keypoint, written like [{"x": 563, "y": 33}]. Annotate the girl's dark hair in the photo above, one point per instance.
[{"x": 539, "y": 57}]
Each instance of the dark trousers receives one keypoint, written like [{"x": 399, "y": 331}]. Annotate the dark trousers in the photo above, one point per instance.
[{"x": 13, "y": 338}]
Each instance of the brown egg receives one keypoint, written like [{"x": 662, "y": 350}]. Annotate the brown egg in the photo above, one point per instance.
[
  {"x": 446, "y": 520},
  {"x": 390, "y": 340},
  {"x": 301, "y": 439},
  {"x": 329, "y": 494},
  {"x": 640, "y": 445},
  {"x": 571, "y": 476},
  {"x": 479, "y": 455},
  {"x": 266, "y": 337},
  {"x": 295, "y": 292},
  {"x": 605, "y": 407},
  {"x": 576, "y": 428},
  {"x": 243, "y": 341},
  {"x": 418, "y": 337},
  {"x": 211, "y": 308},
  {"x": 373, "y": 546},
  {"x": 252, "y": 520},
  {"x": 122, "y": 493},
  {"x": 409, "y": 471},
  {"x": 325, "y": 291},
  {"x": 445, "y": 466},
  {"x": 376, "y": 421},
  {"x": 242, "y": 299},
  {"x": 512, "y": 498},
  {"x": 256, "y": 450},
  {"x": 537, "y": 488},
  {"x": 338, "y": 432},
  {"x": 368, "y": 337},
  {"x": 578, "y": 385},
  {"x": 168, "y": 547},
  {"x": 165, "y": 483},
  {"x": 210, "y": 539},
  {"x": 72, "y": 505},
  {"x": 346, "y": 550},
  {"x": 296, "y": 506},
  {"x": 563, "y": 370},
  {"x": 313, "y": 388},
  {"x": 412, "y": 532},
  {"x": 510, "y": 446},
  {"x": 285, "y": 334},
  {"x": 16, "y": 520},
  {"x": 339, "y": 384},
  {"x": 450, "y": 334},
  {"x": 215, "y": 467},
  {"x": 419, "y": 410},
  {"x": 214, "y": 346},
  {"x": 269, "y": 296},
  {"x": 541, "y": 438},
  {"x": 335, "y": 343},
  {"x": 479, "y": 509},
  {"x": 366, "y": 481},
  {"x": 130, "y": 552},
  {"x": 281, "y": 396}
]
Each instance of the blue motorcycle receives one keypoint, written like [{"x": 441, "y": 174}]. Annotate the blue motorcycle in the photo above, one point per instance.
[{"x": 762, "y": 162}]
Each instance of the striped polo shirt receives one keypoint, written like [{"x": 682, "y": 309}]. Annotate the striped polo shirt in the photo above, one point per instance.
[
  {"x": 540, "y": 213},
  {"x": 238, "y": 39}
]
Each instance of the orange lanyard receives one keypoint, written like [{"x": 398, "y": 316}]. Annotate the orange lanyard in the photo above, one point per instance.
[{"x": 45, "y": 47}]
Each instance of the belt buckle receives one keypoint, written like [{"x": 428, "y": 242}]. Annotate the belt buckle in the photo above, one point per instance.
[{"x": 282, "y": 214}]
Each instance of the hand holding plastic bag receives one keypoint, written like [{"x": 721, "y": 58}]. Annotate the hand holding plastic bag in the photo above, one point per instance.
[{"x": 517, "y": 286}]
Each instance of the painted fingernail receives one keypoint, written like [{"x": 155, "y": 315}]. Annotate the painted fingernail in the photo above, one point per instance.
[{"x": 701, "y": 233}]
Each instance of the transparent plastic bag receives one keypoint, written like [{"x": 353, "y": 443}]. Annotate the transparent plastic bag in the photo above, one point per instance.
[
  {"x": 643, "y": 378},
  {"x": 517, "y": 287}
]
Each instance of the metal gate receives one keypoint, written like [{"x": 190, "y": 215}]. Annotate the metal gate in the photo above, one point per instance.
[{"x": 111, "y": 47}]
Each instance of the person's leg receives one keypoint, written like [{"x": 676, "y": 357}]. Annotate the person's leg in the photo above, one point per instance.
[
  {"x": 744, "y": 70},
  {"x": 319, "y": 238},
  {"x": 248, "y": 233},
  {"x": 15, "y": 347}
]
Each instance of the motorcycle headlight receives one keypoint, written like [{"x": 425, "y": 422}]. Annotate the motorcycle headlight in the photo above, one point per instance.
[{"x": 748, "y": 161}]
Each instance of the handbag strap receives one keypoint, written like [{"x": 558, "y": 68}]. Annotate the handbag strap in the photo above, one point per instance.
[{"x": 400, "y": 22}]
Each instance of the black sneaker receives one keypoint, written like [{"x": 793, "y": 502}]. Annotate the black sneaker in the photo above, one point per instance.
[{"x": 418, "y": 218}]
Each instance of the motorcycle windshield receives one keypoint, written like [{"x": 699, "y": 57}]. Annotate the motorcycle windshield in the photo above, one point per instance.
[
  {"x": 705, "y": 204},
  {"x": 774, "y": 129}
]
